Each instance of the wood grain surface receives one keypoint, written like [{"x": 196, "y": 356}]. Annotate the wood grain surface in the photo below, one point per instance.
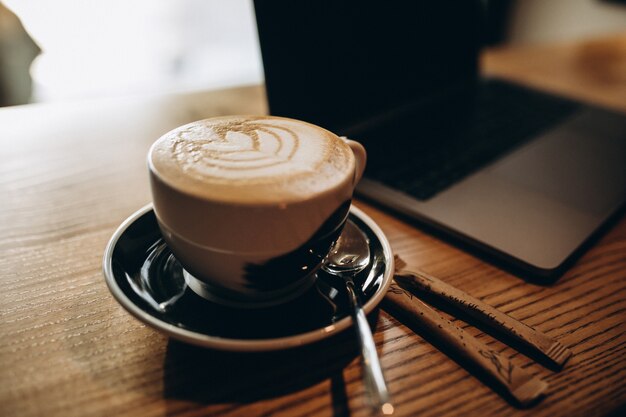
[{"x": 70, "y": 173}]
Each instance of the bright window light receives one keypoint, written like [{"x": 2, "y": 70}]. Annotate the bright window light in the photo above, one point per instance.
[{"x": 117, "y": 47}]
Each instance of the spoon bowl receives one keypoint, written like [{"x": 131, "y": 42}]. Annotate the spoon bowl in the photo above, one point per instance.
[{"x": 350, "y": 254}]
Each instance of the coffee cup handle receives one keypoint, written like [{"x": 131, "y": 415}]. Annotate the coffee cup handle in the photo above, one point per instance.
[{"x": 359, "y": 155}]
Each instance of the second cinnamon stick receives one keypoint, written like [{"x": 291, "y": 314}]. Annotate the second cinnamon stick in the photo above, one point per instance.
[{"x": 522, "y": 385}]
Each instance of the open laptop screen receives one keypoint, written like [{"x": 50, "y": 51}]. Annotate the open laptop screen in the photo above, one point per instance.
[{"x": 338, "y": 63}]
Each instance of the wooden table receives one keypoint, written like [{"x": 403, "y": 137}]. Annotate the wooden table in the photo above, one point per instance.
[{"x": 71, "y": 172}]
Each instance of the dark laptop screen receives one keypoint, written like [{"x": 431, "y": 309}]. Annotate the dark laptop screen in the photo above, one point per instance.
[{"x": 338, "y": 63}]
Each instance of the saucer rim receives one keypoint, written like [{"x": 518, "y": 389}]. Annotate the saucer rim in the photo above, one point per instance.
[{"x": 242, "y": 345}]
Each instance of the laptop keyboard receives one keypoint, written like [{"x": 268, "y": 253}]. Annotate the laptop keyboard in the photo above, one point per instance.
[{"x": 425, "y": 154}]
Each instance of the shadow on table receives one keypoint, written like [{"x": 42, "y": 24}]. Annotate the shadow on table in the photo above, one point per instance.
[{"x": 207, "y": 376}]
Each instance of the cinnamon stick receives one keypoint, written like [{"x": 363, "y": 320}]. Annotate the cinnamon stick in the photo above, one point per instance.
[
  {"x": 543, "y": 345},
  {"x": 522, "y": 385}
]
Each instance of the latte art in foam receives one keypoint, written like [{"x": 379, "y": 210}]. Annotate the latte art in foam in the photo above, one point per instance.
[
  {"x": 249, "y": 149},
  {"x": 287, "y": 157}
]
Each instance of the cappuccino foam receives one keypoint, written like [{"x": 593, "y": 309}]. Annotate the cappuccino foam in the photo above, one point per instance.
[{"x": 252, "y": 159}]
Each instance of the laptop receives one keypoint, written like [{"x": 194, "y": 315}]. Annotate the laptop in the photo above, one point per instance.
[{"x": 523, "y": 177}]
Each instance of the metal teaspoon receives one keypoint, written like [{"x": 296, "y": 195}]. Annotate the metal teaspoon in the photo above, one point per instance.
[{"x": 349, "y": 256}]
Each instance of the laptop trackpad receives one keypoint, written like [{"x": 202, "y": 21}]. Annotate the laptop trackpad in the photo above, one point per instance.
[
  {"x": 581, "y": 163},
  {"x": 542, "y": 201}
]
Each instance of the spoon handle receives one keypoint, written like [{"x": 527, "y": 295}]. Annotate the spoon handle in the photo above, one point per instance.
[{"x": 372, "y": 371}]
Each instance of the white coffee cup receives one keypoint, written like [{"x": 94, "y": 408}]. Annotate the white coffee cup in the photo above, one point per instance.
[{"x": 250, "y": 205}]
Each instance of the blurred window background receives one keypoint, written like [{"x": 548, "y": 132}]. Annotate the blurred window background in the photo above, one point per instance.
[{"x": 96, "y": 48}]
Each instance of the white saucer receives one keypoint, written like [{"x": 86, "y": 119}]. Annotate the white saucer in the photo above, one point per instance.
[{"x": 146, "y": 279}]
